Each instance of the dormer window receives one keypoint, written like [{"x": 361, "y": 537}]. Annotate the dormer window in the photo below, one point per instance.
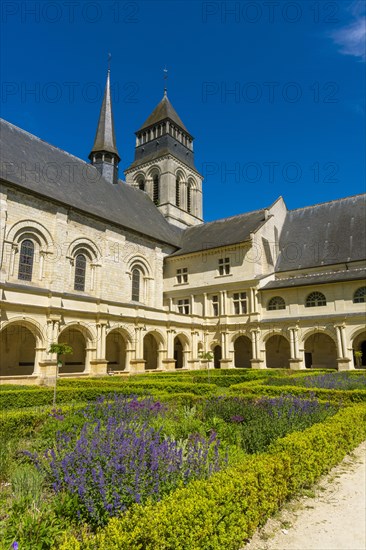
[
  {"x": 224, "y": 266},
  {"x": 182, "y": 275}
]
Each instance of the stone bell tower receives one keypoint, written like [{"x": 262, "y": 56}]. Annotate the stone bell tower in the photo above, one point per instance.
[{"x": 164, "y": 166}]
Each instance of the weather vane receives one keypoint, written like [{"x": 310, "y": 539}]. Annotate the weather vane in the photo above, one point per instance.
[
  {"x": 165, "y": 80},
  {"x": 109, "y": 61}
]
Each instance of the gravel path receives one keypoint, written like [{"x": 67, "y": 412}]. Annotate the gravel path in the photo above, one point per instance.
[{"x": 333, "y": 517}]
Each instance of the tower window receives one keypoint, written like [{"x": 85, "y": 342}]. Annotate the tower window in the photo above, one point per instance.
[
  {"x": 240, "y": 303},
  {"x": 136, "y": 279},
  {"x": 224, "y": 266},
  {"x": 183, "y": 306},
  {"x": 276, "y": 303},
  {"x": 141, "y": 184},
  {"x": 26, "y": 260},
  {"x": 177, "y": 192},
  {"x": 182, "y": 275},
  {"x": 315, "y": 299},
  {"x": 80, "y": 272},
  {"x": 156, "y": 190},
  {"x": 189, "y": 198}
]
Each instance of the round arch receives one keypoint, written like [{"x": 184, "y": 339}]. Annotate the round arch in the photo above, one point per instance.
[
  {"x": 359, "y": 345},
  {"x": 18, "y": 341},
  {"x": 116, "y": 347},
  {"x": 153, "y": 171},
  {"x": 278, "y": 352},
  {"x": 181, "y": 350},
  {"x": 320, "y": 350},
  {"x": 85, "y": 244},
  {"x": 83, "y": 340},
  {"x": 153, "y": 344},
  {"x": 242, "y": 351},
  {"x": 30, "y": 227}
]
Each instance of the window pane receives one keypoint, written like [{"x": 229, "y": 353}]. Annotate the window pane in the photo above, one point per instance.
[
  {"x": 80, "y": 271},
  {"x": 136, "y": 274},
  {"x": 26, "y": 260}
]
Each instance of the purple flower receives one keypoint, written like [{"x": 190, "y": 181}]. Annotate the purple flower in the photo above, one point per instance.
[
  {"x": 237, "y": 418},
  {"x": 15, "y": 545}
]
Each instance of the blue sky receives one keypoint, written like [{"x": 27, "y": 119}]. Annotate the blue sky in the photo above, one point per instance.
[{"x": 273, "y": 91}]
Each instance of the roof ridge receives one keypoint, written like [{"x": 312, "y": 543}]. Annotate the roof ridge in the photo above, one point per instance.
[
  {"x": 43, "y": 141},
  {"x": 232, "y": 217},
  {"x": 327, "y": 202},
  {"x": 329, "y": 272}
]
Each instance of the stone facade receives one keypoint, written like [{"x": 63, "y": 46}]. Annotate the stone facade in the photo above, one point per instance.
[{"x": 130, "y": 300}]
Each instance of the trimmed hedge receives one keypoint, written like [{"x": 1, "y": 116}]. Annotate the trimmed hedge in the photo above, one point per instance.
[
  {"x": 226, "y": 509},
  {"x": 298, "y": 391},
  {"x": 43, "y": 396}
]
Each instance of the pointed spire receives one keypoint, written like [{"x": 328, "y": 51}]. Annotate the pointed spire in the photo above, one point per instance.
[
  {"x": 105, "y": 140},
  {"x": 165, "y": 82}
]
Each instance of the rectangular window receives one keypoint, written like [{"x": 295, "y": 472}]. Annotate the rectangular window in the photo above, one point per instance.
[
  {"x": 240, "y": 303},
  {"x": 182, "y": 275},
  {"x": 224, "y": 266},
  {"x": 183, "y": 306},
  {"x": 215, "y": 306}
]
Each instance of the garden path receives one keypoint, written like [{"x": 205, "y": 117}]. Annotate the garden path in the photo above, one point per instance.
[{"x": 332, "y": 518}]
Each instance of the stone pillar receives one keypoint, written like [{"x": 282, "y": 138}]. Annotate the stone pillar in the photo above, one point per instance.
[
  {"x": 343, "y": 362},
  {"x": 169, "y": 362},
  {"x": 204, "y": 304},
  {"x": 194, "y": 362},
  {"x": 296, "y": 363},
  {"x": 226, "y": 361},
  {"x": 256, "y": 362},
  {"x": 138, "y": 363}
]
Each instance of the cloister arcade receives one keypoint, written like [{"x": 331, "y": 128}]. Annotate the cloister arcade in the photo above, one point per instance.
[{"x": 24, "y": 350}]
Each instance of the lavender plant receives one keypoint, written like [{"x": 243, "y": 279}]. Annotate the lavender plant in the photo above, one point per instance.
[
  {"x": 254, "y": 424},
  {"x": 118, "y": 459},
  {"x": 329, "y": 381}
]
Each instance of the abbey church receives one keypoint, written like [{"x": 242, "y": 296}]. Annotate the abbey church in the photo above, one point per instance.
[{"x": 128, "y": 274}]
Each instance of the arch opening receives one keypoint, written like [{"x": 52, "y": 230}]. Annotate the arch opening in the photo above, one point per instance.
[
  {"x": 359, "y": 345},
  {"x": 151, "y": 352},
  {"x": 242, "y": 352},
  {"x": 217, "y": 352},
  {"x": 278, "y": 352},
  {"x": 75, "y": 362},
  {"x": 18, "y": 351},
  {"x": 178, "y": 353},
  {"x": 320, "y": 352},
  {"x": 115, "y": 351}
]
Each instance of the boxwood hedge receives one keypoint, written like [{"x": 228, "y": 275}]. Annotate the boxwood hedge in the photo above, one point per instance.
[{"x": 226, "y": 509}]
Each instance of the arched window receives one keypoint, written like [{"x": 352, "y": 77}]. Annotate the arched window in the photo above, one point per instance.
[
  {"x": 315, "y": 299},
  {"x": 156, "y": 190},
  {"x": 80, "y": 272},
  {"x": 276, "y": 303},
  {"x": 177, "y": 191},
  {"x": 189, "y": 197},
  {"x": 136, "y": 284},
  {"x": 26, "y": 260},
  {"x": 359, "y": 296},
  {"x": 141, "y": 184}
]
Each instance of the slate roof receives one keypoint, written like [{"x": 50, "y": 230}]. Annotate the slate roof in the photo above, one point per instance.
[
  {"x": 161, "y": 112},
  {"x": 318, "y": 278},
  {"x": 323, "y": 234},
  {"x": 225, "y": 232},
  {"x": 36, "y": 166}
]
